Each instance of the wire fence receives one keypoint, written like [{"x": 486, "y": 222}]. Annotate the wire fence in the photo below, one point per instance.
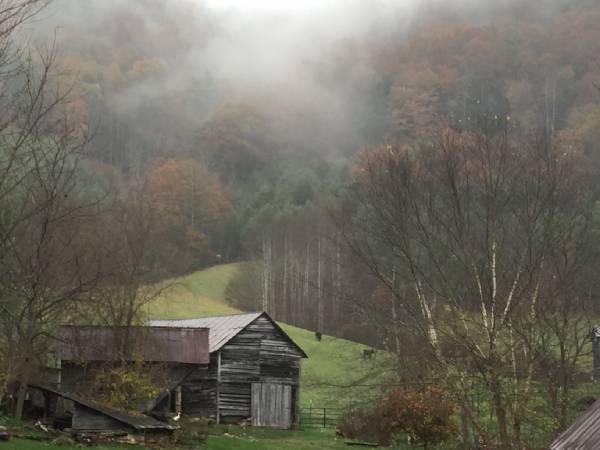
[{"x": 312, "y": 417}]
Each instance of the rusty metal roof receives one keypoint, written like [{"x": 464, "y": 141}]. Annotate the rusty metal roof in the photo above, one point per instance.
[
  {"x": 222, "y": 328},
  {"x": 583, "y": 434},
  {"x": 155, "y": 344},
  {"x": 138, "y": 421}
]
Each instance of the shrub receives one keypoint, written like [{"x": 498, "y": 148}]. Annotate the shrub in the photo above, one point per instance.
[
  {"x": 128, "y": 386},
  {"x": 423, "y": 417}
]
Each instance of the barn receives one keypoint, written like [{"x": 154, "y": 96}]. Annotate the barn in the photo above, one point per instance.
[{"x": 253, "y": 372}]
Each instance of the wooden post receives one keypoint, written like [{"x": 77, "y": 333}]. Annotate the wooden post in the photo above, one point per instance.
[
  {"x": 596, "y": 352},
  {"x": 21, "y": 394},
  {"x": 178, "y": 399},
  {"x": 47, "y": 405},
  {"x": 297, "y": 396},
  {"x": 324, "y": 417},
  {"x": 218, "y": 384}
]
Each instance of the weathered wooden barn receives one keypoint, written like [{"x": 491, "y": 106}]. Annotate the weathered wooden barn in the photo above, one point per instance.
[
  {"x": 254, "y": 371},
  {"x": 177, "y": 352}
]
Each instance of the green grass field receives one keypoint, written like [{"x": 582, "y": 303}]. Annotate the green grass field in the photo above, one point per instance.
[
  {"x": 333, "y": 376},
  {"x": 230, "y": 438},
  {"x": 199, "y": 294},
  {"x": 23, "y": 444},
  {"x": 237, "y": 438}
]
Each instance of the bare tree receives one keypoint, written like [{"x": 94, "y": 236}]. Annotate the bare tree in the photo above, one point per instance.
[
  {"x": 45, "y": 262},
  {"x": 126, "y": 230},
  {"x": 477, "y": 237}
]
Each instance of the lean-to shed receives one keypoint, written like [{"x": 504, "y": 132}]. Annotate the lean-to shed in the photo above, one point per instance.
[
  {"x": 84, "y": 349},
  {"x": 90, "y": 416},
  {"x": 254, "y": 371},
  {"x": 583, "y": 434}
]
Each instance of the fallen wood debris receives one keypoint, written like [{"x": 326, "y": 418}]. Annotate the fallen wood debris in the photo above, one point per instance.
[{"x": 362, "y": 444}]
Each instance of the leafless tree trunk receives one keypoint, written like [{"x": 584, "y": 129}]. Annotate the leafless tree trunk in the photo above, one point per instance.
[{"x": 46, "y": 261}]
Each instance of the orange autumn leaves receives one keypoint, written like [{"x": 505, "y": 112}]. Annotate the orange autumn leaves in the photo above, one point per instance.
[{"x": 188, "y": 210}]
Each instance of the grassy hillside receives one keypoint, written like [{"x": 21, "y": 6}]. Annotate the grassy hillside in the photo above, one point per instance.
[
  {"x": 333, "y": 376},
  {"x": 199, "y": 294}
]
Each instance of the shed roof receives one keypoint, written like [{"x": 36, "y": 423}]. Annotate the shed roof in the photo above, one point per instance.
[
  {"x": 583, "y": 434},
  {"x": 140, "y": 422},
  {"x": 223, "y": 328},
  {"x": 157, "y": 344}
]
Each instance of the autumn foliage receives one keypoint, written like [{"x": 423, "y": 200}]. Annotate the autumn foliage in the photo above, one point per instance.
[
  {"x": 187, "y": 209},
  {"x": 419, "y": 416}
]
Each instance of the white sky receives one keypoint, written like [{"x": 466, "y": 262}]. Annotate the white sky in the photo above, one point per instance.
[{"x": 290, "y": 5}]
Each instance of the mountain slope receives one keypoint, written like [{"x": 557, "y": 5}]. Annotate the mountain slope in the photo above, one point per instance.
[{"x": 334, "y": 375}]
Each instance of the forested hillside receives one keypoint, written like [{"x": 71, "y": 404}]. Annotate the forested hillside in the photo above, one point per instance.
[
  {"x": 419, "y": 177},
  {"x": 221, "y": 158}
]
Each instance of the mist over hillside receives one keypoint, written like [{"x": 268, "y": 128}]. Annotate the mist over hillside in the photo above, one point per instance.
[
  {"x": 418, "y": 176},
  {"x": 310, "y": 69}
]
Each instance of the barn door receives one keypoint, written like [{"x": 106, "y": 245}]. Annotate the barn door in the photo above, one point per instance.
[{"x": 271, "y": 405}]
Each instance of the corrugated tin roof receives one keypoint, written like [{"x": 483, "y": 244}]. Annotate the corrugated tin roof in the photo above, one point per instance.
[
  {"x": 157, "y": 344},
  {"x": 583, "y": 434},
  {"x": 138, "y": 421},
  {"x": 222, "y": 328}
]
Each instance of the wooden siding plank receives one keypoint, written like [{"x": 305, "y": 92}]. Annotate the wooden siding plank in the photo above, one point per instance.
[{"x": 271, "y": 405}]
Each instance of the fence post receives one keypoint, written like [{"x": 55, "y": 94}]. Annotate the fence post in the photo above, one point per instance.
[{"x": 324, "y": 417}]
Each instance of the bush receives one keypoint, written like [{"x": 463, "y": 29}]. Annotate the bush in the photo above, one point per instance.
[
  {"x": 128, "y": 386},
  {"x": 422, "y": 417}
]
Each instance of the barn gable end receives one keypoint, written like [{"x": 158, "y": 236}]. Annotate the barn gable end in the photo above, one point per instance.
[{"x": 246, "y": 350}]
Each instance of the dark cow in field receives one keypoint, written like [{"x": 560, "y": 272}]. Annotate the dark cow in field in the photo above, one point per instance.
[{"x": 368, "y": 353}]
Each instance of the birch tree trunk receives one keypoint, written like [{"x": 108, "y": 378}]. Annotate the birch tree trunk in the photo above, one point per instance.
[
  {"x": 306, "y": 286},
  {"x": 338, "y": 282},
  {"x": 265, "y": 283},
  {"x": 284, "y": 295},
  {"x": 320, "y": 308}
]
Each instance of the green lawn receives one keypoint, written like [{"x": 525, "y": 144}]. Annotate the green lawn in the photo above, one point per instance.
[
  {"x": 230, "y": 438},
  {"x": 238, "y": 438},
  {"x": 221, "y": 438},
  {"x": 334, "y": 375}
]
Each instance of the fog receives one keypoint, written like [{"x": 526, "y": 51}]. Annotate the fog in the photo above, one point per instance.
[{"x": 304, "y": 65}]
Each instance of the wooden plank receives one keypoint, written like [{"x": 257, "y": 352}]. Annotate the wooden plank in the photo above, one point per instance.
[
  {"x": 88, "y": 419},
  {"x": 271, "y": 405},
  {"x": 218, "y": 384}
]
